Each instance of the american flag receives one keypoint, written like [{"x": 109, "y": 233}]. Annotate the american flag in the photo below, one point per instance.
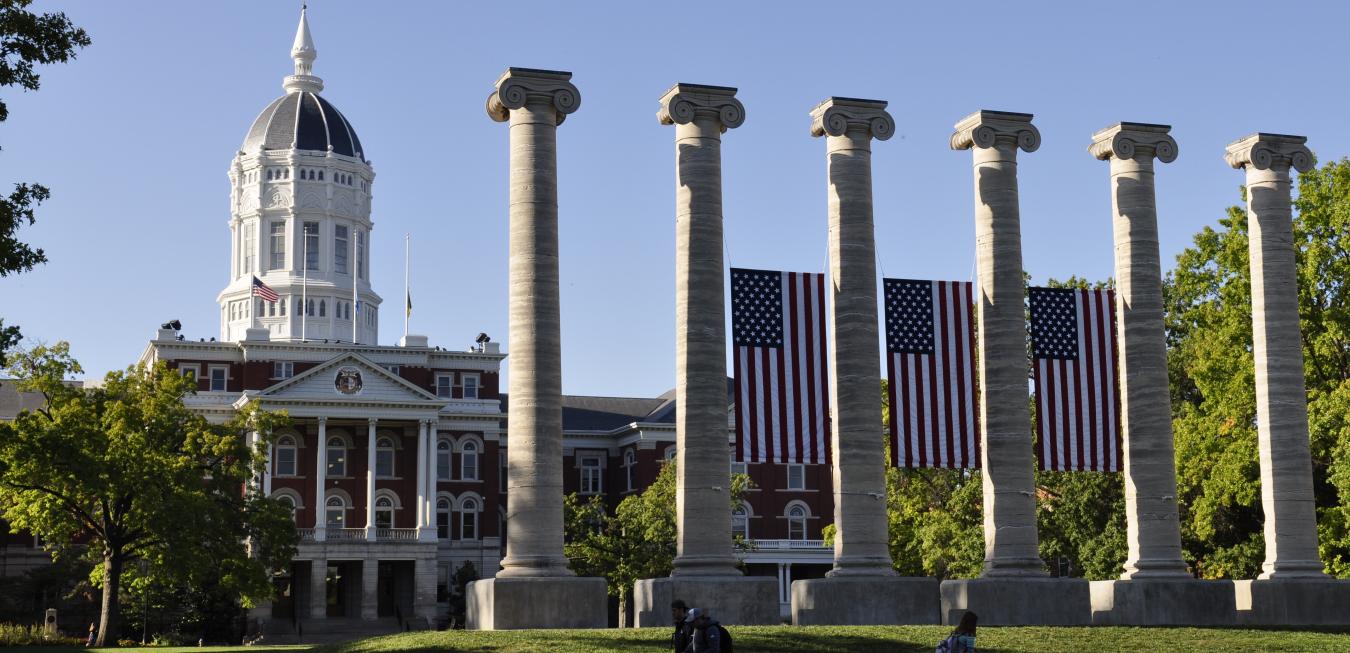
[
  {"x": 778, "y": 326},
  {"x": 1073, "y": 342},
  {"x": 260, "y": 289},
  {"x": 930, "y": 366}
]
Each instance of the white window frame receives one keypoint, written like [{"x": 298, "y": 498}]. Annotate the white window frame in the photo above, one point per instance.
[
  {"x": 444, "y": 449},
  {"x": 467, "y": 472},
  {"x": 276, "y": 244},
  {"x": 289, "y": 500},
  {"x": 286, "y": 443},
  {"x": 468, "y": 516},
  {"x": 384, "y": 505},
  {"x": 196, "y": 369},
  {"x": 342, "y": 459},
  {"x": 591, "y": 477},
  {"x": 740, "y": 521},
  {"x": 739, "y": 468},
  {"x": 800, "y": 471},
  {"x": 445, "y": 385},
  {"x": 310, "y": 249},
  {"x": 629, "y": 468},
  {"x": 384, "y": 457},
  {"x": 282, "y": 369},
  {"x": 224, "y": 377},
  {"x": 329, "y": 507},
  {"x": 477, "y": 385},
  {"x": 340, "y": 254},
  {"x": 800, "y": 521},
  {"x": 445, "y": 507}
]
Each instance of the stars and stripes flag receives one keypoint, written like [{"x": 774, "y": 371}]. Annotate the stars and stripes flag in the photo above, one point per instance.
[
  {"x": 930, "y": 367},
  {"x": 1073, "y": 342},
  {"x": 262, "y": 290},
  {"x": 778, "y": 329}
]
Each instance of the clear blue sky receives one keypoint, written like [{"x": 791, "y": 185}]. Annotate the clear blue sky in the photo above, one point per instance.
[{"x": 136, "y": 135}]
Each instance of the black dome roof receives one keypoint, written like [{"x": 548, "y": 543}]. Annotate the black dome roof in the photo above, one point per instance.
[{"x": 304, "y": 121}]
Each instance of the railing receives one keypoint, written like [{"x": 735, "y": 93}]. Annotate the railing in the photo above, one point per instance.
[
  {"x": 406, "y": 534},
  {"x": 305, "y": 534},
  {"x": 346, "y": 534},
  {"x": 771, "y": 545}
]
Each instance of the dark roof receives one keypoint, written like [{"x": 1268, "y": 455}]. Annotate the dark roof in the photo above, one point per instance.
[
  {"x": 303, "y": 121},
  {"x": 584, "y": 413}
]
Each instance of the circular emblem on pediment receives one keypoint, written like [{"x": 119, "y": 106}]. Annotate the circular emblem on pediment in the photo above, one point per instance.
[{"x": 348, "y": 381}]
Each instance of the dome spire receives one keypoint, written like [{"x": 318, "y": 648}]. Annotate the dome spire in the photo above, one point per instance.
[{"x": 304, "y": 53}]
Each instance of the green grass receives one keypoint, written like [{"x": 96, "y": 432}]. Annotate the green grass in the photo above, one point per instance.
[{"x": 823, "y": 639}]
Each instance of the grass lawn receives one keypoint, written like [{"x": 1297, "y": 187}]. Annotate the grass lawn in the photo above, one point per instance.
[{"x": 823, "y": 639}]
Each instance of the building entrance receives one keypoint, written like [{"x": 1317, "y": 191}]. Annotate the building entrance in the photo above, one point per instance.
[
  {"x": 394, "y": 589},
  {"x": 341, "y": 579}
]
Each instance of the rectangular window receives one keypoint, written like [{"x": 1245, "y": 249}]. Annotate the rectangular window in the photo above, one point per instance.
[
  {"x": 442, "y": 525},
  {"x": 470, "y": 386},
  {"x": 285, "y": 461},
  {"x": 361, "y": 254},
  {"x": 384, "y": 463},
  {"x": 393, "y": 369},
  {"x": 277, "y": 245},
  {"x": 250, "y": 249},
  {"x": 283, "y": 369},
  {"x": 311, "y": 245},
  {"x": 219, "y": 376},
  {"x": 591, "y": 475},
  {"x": 443, "y": 460},
  {"x": 335, "y": 516},
  {"x": 796, "y": 477},
  {"x": 188, "y": 370},
  {"x": 444, "y": 383},
  {"x": 337, "y": 460},
  {"x": 739, "y": 468},
  {"x": 340, "y": 249}
]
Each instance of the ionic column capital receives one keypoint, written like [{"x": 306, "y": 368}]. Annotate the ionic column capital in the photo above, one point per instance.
[
  {"x": 1126, "y": 140},
  {"x": 837, "y": 116},
  {"x": 1277, "y": 152},
  {"x": 684, "y": 103},
  {"x": 985, "y": 129},
  {"x": 322, "y": 419},
  {"x": 518, "y": 87}
]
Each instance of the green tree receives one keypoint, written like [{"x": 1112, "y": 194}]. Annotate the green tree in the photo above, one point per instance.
[
  {"x": 1213, "y": 380},
  {"x": 124, "y": 471},
  {"x": 26, "y": 39},
  {"x": 637, "y": 541}
]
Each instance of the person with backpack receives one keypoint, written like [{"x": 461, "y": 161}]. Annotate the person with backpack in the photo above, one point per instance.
[
  {"x": 962, "y": 640},
  {"x": 708, "y": 636},
  {"x": 678, "y": 611}
]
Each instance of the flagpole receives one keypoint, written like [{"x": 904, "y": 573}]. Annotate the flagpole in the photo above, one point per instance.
[
  {"x": 407, "y": 290},
  {"x": 304, "y": 279}
]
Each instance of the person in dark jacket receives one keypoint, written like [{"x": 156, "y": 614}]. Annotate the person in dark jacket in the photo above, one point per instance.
[
  {"x": 683, "y": 629},
  {"x": 706, "y": 637}
]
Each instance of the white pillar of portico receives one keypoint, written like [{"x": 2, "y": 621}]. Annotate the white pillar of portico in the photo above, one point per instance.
[
  {"x": 267, "y": 470},
  {"x": 370, "y": 479},
  {"x": 320, "y": 480},
  {"x": 1281, "y": 396},
  {"x": 424, "y": 490}
]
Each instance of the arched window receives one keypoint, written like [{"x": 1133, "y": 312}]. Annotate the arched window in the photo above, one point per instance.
[
  {"x": 286, "y": 173},
  {"x": 797, "y": 522},
  {"x": 336, "y": 512},
  {"x": 269, "y": 175},
  {"x": 323, "y": 307},
  {"x": 443, "y": 518},
  {"x": 443, "y": 460},
  {"x": 283, "y": 308},
  {"x": 629, "y": 468},
  {"x": 320, "y": 175},
  {"x": 468, "y": 520},
  {"x": 384, "y": 458},
  {"x": 285, "y": 456},
  {"x": 468, "y": 462},
  {"x": 337, "y": 457},
  {"x": 669, "y": 453},
  {"x": 384, "y": 512},
  {"x": 740, "y": 522},
  {"x": 288, "y": 501}
]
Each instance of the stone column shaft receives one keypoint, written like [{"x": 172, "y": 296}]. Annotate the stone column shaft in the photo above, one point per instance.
[
  {"x": 534, "y": 103},
  {"x": 703, "y": 475},
  {"x": 1277, "y": 349},
  {"x": 320, "y": 480},
  {"x": 421, "y": 474},
  {"x": 861, "y": 543},
  {"x": 318, "y": 589},
  {"x": 1010, "y": 540},
  {"x": 370, "y": 479},
  {"x": 1145, "y": 408}
]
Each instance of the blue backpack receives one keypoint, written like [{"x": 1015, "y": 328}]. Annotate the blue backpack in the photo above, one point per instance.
[{"x": 952, "y": 644}]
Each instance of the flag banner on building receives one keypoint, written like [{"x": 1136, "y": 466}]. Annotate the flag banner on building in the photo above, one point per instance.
[
  {"x": 782, "y": 398},
  {"x": 1073, "y": 353},
  {"x": 408, "y": 311},
  {"x": 930, "y": 369},
  {"x": 262, "y": 290}
]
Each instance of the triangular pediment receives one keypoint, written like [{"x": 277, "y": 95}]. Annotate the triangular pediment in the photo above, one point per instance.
[{"x": 348, "y": 377}]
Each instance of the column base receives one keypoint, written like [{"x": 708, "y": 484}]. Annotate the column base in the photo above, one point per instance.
[
  {"x": 1018, "y": 601},
  {"x": 1163, "y": 602},
  {"x": 517, "y": 603},
  {"x": 865, "y": 601},
  {"x": 1301, "y": 602},
  {"x": 740, "y": 600}
]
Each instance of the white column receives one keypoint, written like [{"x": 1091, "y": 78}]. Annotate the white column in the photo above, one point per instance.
[
  {"x": 429, "y": 510},
  {"x": 320, "y": 481},
  {"x": 370, "y": 479},
  {"x": 1154, "y": 532},
  {"x": 267, "y": 469},
  {"x": 423, "y": 480},
  {"x": 534, "y": 102},
  {"x": 1010, "y": 541},
  {"x": 1277, "y": 349},
  {"x": 702, "y": 503},
  {"x": 861, "y": 543}
]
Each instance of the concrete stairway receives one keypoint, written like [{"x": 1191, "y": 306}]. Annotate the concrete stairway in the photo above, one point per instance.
[{"x": 327, "y": 631}]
